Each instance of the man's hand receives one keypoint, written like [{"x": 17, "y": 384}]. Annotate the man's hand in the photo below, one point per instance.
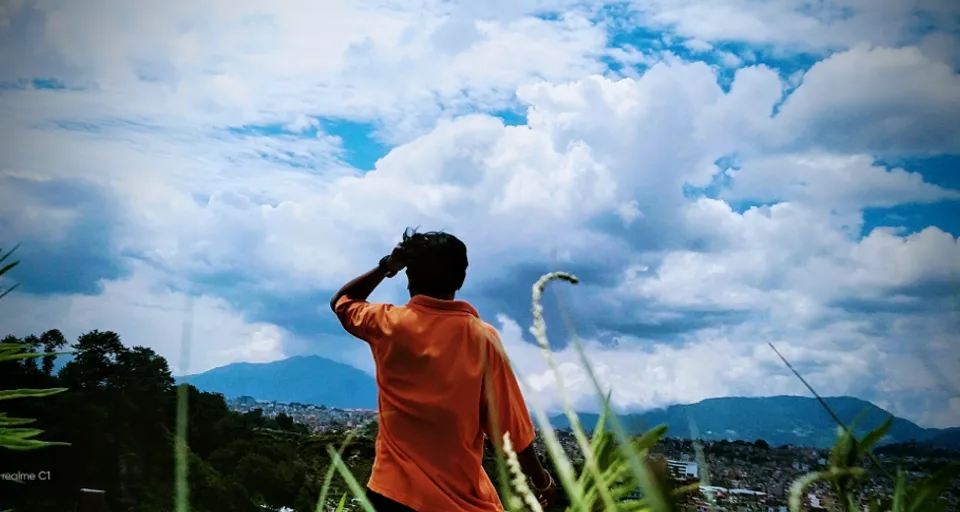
[
  {"x": 397, "y": 259},
  {"x": 546, "y": 490},
  {"x": 362, "y": 286}
]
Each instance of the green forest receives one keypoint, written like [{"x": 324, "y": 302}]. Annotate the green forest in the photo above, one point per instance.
[{"x": 118, "y": 415}]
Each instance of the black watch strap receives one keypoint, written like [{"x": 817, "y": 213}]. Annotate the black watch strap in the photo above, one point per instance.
[{"x": 383, "y": 266}]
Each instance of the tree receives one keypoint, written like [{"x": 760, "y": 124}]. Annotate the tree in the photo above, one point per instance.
[
  {"x": 52, "y": 341},
  {"x": 31, "y": 345},
  {"x": 763, "y": 445},
  {"x": 94, "y": 359},
  {"x": 285, "y": 422},
  {"x": 254, "y": 417}
]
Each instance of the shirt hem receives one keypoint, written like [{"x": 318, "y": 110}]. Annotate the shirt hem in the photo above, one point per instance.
[
  {"x": 405, "y": 499},
  {"x": 399, "y": 497}
]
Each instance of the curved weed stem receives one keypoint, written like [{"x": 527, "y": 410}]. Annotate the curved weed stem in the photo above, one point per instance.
[{"x": 539, "y": 331}]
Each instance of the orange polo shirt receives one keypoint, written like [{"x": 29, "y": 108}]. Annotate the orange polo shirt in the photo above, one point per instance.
[{"x": 431, "y": 356}]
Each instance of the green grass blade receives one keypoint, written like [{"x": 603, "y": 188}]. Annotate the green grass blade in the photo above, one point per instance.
[
  {"x": 6, "y": 421},
  {"x": 21, "y": 433},
  {"x": 328, "y": 477},
  {"x": 641, "y": 473},
  {"x": 16, "y": 443},
  {"x": 181, "y": 448},
  {"x": 503, "y": 478},
  {"x": 832, "y": 414},
  {"x": 900, "y": 494},
  {"x": 182, "y": 451},
  {"x": 12, "y": 347},
  {"x": 4, "y": 256},
  {"x": 929, "y": 490},
  {"x": 538, "y": 330},
  {"x": 10, "y": 394},
  {"x": 8, "y": 290},
  {"x": 349, "y": 478},
  {"x": 7, "y": 268},
  {"x": 795, "y": 500},
  {"x": 874, "y": 436},
  {"x": 560, "y": 460},
  {"x": 701, "y": 458}
]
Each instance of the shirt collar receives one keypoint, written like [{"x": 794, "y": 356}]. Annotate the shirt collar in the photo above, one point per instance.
[{"x": 446, "y": 305}]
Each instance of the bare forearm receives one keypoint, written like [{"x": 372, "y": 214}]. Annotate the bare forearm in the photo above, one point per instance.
[
  {"x": 360, "y": 287},
  {"x": 530, "y": 464}
]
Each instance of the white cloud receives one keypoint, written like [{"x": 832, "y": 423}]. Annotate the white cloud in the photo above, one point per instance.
[
  {"x": 247, "y": 62},
  {"x": 790, "y": 257},
  {"x": 697, "y": 45},
  {"x": 597, "y": 175},
  {"x": 789, "y": 24},
  {"x": 842, "y": 103},
  {"x": 852, "y": 182},
  {"x": 144, "y": 311},
  {"x": 730, "y": 60}
]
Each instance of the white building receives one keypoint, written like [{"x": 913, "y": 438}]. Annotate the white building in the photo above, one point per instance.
[{"x": 681, "y": 469}]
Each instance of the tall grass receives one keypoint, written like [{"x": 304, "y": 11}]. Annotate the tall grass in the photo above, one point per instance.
[{"x": 616, "y": 464}]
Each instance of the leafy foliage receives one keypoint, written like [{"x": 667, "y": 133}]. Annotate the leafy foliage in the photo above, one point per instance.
[
  {"x": 119, "y": 414},
  {"x": 846, "y": 470},
  {"x": 12, "y": 435}
]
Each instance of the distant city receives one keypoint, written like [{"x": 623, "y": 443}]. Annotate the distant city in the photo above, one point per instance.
[
  {"x": 734, "y": 475},
  {"x": 317, "y": 418}
]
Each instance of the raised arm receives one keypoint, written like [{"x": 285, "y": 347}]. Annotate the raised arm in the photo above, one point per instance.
[{"x": 362, "y": 286}]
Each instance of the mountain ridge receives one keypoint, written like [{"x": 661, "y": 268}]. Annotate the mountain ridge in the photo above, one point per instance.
[
  {"x": 778, "y": 420},
  {"x": 302, "y": 379}
]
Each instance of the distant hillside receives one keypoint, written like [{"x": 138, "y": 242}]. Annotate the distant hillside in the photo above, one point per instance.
[
  {"x": 779, "y": 420},
  {"x": 303, "y": 379},
  {"x": 948, "y": 438}
]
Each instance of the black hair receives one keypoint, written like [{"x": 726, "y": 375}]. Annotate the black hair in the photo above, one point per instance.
[{"x": 436, "y": 261}]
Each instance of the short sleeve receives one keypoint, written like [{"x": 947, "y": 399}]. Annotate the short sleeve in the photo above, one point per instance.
[
  {"x": 502, "y": 403},
  {"x": 362, "y": 319}
]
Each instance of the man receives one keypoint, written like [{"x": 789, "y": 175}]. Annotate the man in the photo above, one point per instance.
[{"x": 445, "y": 384}]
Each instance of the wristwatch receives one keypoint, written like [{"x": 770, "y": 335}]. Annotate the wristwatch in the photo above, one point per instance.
[{"x": 386, "y": 268}]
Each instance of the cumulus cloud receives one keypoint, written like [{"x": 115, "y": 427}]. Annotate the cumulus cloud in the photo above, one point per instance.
[
  {"x": 247, "y": 62},
  {"x": 706, "y": 215},
  {"x": 799, "y": 24},
  {"x": 830, "y": 181},
  {"x": 146, "y": 311},
  {"x": 841, "y": 105}
]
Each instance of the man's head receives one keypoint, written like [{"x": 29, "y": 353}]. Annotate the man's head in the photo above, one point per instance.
[{"x": 436, "y": 263}]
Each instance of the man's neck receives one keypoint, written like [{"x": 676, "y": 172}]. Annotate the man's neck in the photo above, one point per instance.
[{"x": 440, "y": 296}]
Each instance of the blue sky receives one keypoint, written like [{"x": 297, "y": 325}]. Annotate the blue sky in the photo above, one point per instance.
[{"x": 719, "y": 176}]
